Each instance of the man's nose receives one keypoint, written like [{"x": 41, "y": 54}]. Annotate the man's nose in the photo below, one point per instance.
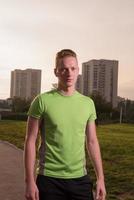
[{"x": 69, "y": 72}]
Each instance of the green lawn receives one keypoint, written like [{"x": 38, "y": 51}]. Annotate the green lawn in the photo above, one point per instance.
[
  {"x": 117, "y": 147},
  {"x": 13, "y": 132}
]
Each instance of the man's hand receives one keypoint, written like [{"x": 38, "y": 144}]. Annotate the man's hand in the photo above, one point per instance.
[
  {"x": 100, "y": 190},
  {"x": 31, "y": 192}
]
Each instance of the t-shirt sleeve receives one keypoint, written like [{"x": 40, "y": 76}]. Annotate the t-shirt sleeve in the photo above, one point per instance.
[
  {"x": 37, "y": 108},
  {"x": 92, "y": 112}
]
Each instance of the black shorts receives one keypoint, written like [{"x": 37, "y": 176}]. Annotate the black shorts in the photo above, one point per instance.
[{"x": 64, "y": 189}]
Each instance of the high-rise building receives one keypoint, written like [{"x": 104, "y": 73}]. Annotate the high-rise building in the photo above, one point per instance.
[
  {"x": 79, "y": 83},
  {"x": 101, "y": 76},
  {"x": 25, "y": 83}
]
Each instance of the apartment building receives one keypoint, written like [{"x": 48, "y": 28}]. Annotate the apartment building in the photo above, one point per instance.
[
  {"x": 25, "y": 83},
  {"x": 101, "y": 76}
]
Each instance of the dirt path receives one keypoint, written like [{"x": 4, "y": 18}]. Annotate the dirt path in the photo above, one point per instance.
[{"x": 11, "y": 172}]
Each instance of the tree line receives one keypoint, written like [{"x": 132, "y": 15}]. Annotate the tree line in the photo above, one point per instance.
[{"x": 104, "y": 109}]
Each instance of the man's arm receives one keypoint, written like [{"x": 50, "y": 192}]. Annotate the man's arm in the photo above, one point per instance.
[
  {"x": 29, "y": 158},
  {"x": 95, "y": 155}
]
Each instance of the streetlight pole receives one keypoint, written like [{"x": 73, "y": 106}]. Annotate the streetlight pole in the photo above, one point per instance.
[{"x": 121, "y": 115}]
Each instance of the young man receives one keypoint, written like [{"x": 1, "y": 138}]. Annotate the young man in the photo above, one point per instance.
[{"x": 66, "y": 118}]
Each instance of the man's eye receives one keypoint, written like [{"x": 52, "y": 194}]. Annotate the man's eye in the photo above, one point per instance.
[
  {"x": 63, "y": 70},
  {"x": 73, "y": 68}
]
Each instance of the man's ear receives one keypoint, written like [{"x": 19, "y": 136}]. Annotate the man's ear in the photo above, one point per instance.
[
  {"x": 78, "y": 71},
  {"x": 55, "y": 72}
]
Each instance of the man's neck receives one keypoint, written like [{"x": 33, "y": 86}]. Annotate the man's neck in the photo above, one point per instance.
[{"x": 67, "y": 91}]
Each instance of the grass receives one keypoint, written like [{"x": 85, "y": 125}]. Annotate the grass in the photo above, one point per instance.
[
  {"x": 13, "y": 132},
  {"x": 117, "y": 147}
]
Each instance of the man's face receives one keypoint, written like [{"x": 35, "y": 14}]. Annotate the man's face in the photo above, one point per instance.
[{"x": 68, "y": 71}]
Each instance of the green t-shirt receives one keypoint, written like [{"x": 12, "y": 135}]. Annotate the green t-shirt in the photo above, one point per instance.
[{"x": 64, "y": 119}]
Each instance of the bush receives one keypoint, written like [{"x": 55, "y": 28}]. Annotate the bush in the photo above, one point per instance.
[{"x": 14, "y": 116}]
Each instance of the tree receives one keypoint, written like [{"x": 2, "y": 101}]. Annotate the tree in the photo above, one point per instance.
[
  {"x": 20, "y": 105},
  {"x": 101, "y": 104},
  {"x": 103, "y": 108}
]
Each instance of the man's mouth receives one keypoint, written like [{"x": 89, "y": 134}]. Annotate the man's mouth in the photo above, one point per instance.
[{"x": 69, "y": 79}]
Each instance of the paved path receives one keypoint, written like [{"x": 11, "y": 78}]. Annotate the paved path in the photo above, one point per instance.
[{"x": 11, "y": 172}]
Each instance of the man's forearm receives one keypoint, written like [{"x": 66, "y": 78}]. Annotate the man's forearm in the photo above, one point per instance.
[
  {"x": 29, "y": 160},
  {"x": 95, "y": 155}
]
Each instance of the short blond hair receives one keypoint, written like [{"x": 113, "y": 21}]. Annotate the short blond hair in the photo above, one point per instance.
[{"x": 62, "y": 54}]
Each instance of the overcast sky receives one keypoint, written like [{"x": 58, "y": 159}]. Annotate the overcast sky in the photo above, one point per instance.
[{"x": 32, "y": 31}]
